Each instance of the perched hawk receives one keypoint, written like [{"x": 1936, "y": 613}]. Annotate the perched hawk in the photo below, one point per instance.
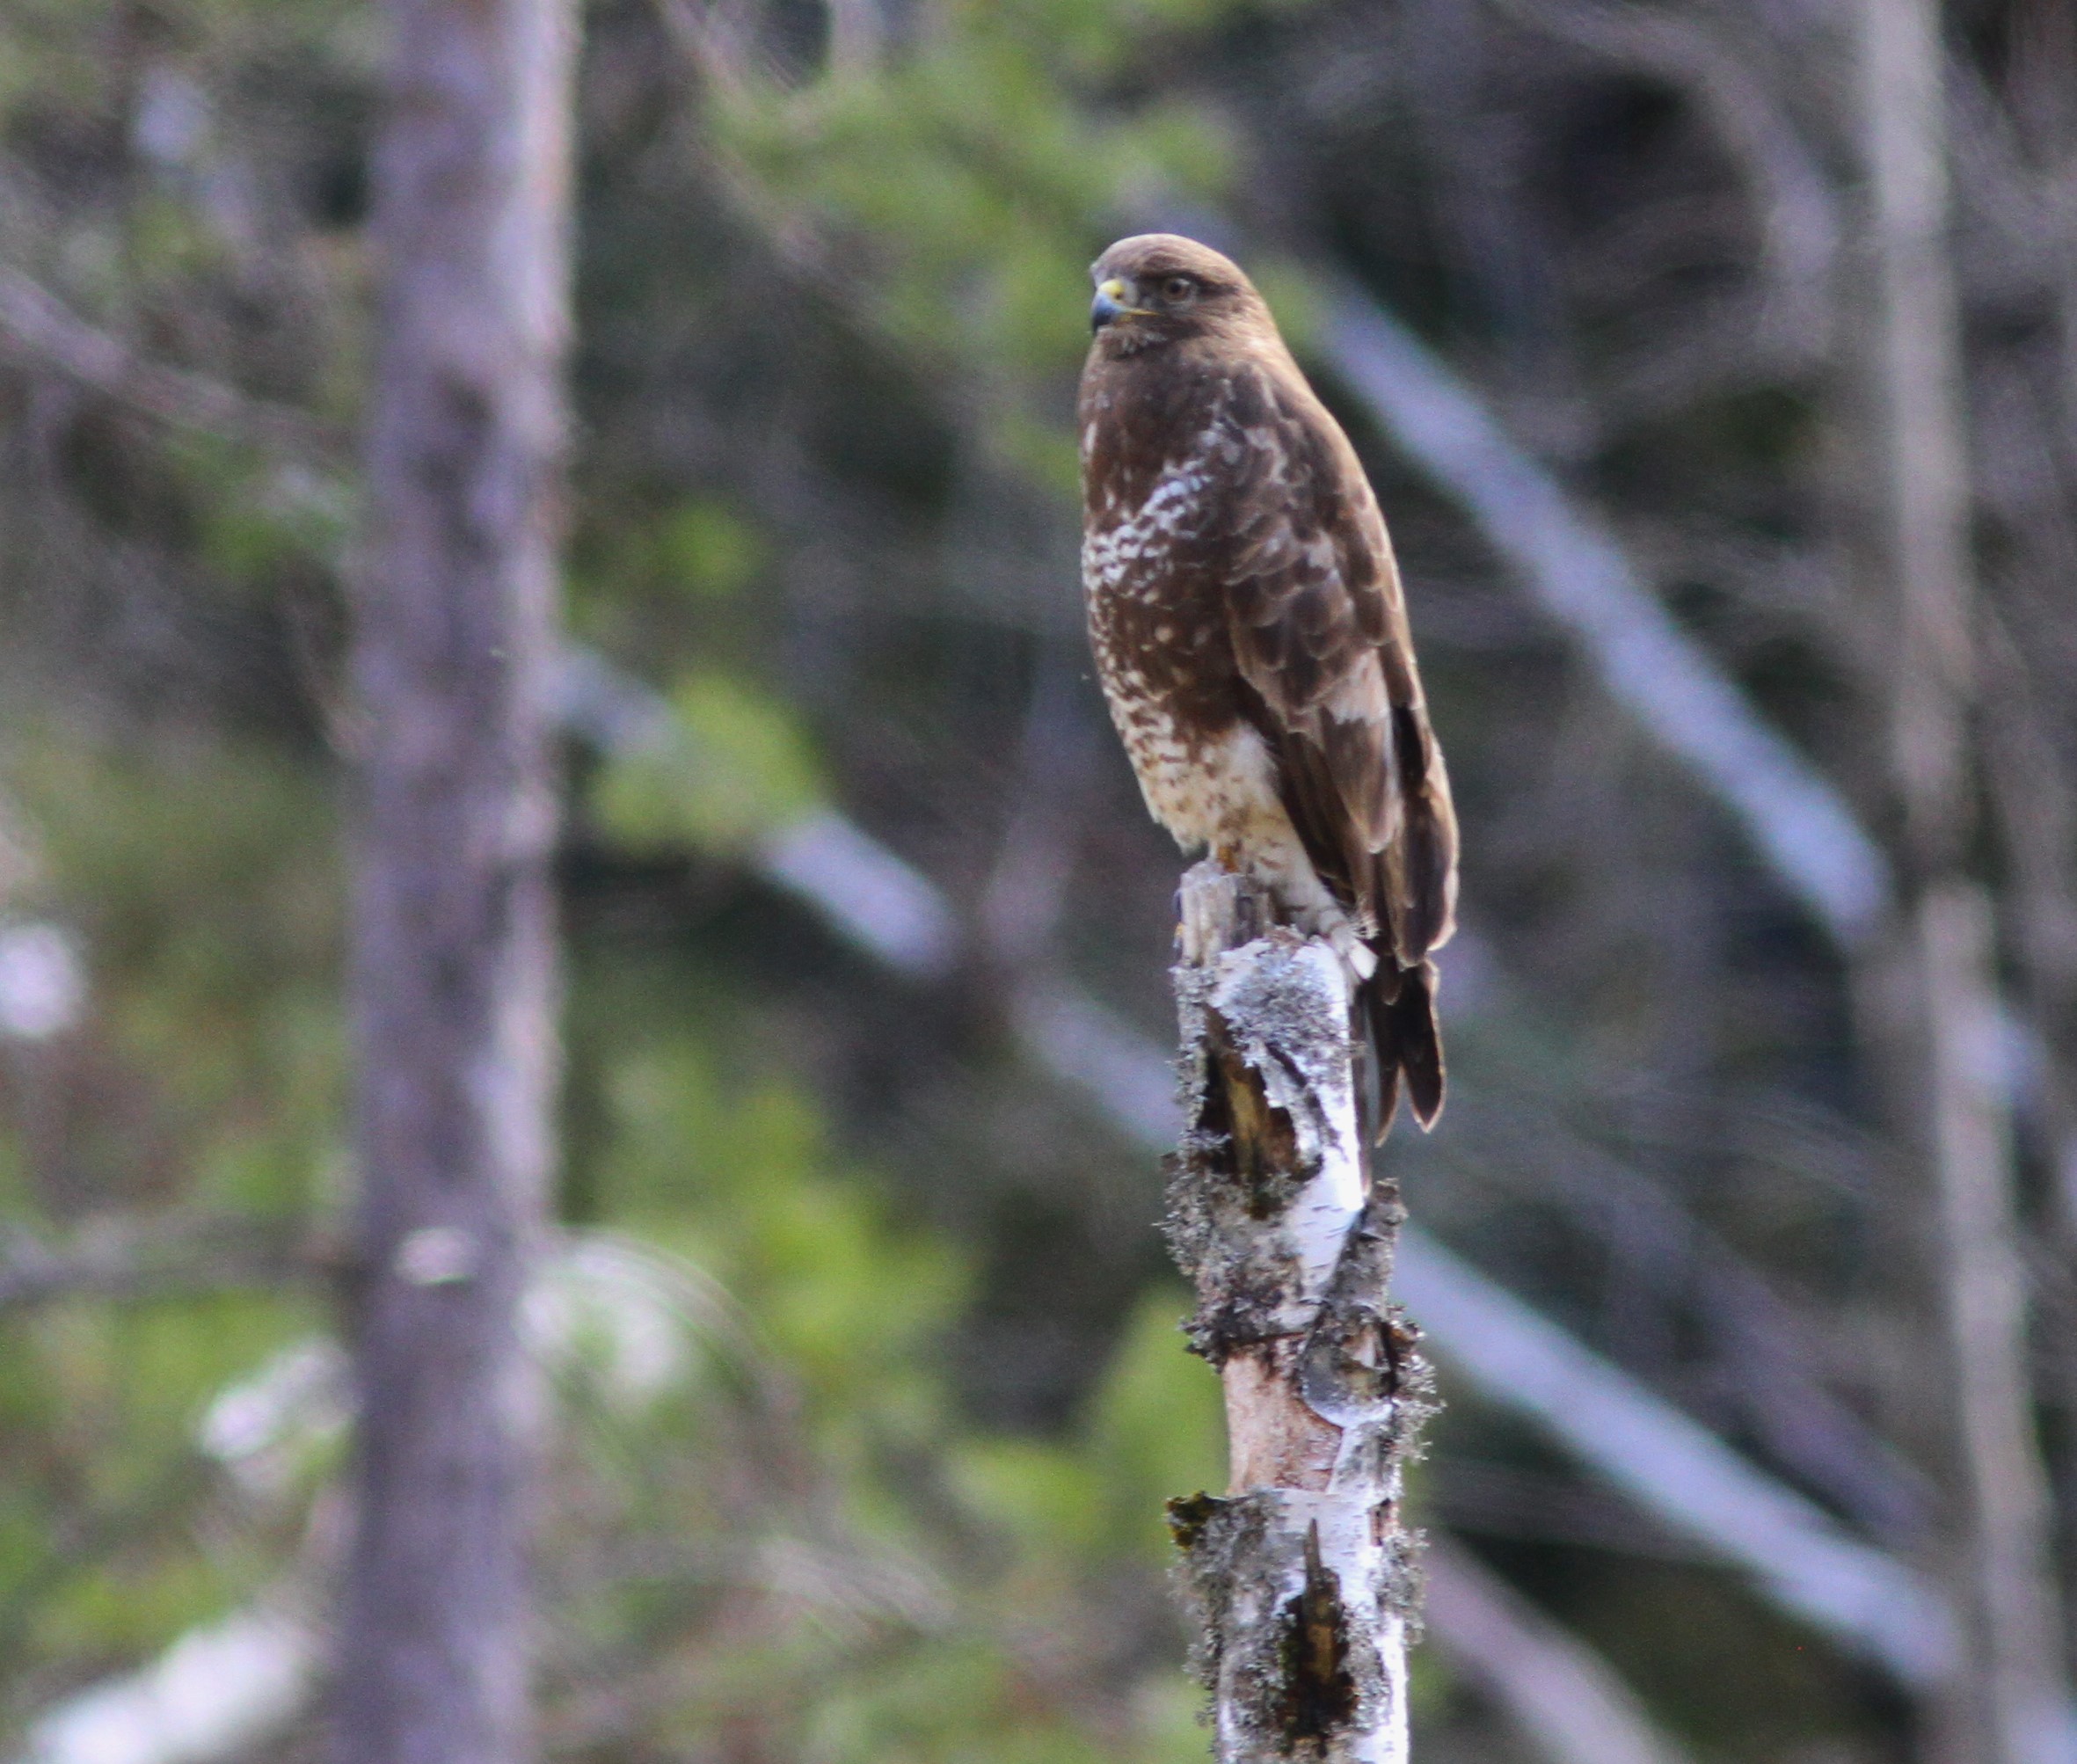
[{"x": 1251, "y": 637}]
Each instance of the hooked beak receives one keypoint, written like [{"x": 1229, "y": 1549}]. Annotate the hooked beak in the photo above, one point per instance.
[{"x": 1111, "y": 301}]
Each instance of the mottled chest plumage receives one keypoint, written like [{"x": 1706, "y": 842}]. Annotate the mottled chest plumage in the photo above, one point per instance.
[
  {"x": 1156, "y": 615},
  {"x": 1158, "y": 623},
  {"x": 1252, "y": 636}
]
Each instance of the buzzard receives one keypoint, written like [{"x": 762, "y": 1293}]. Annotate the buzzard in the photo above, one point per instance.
[{"x": 1251, "y": 638}]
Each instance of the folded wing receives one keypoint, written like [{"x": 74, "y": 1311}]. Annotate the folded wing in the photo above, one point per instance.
[{"x": 1318, "y": 626}]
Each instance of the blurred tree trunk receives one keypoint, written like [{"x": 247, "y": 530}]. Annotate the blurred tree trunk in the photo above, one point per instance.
[
  {"x": 1962, "y": 1090},
  {"x": 453, "y": 957},
  {"x": 1302, "y": 1574}
]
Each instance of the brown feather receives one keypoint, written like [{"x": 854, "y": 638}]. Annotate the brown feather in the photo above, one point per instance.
[
  {"x": 1406, "y": 1040},
  {"x": 1240, "y": 577}
]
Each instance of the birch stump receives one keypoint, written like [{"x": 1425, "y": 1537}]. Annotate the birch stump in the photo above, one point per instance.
[{"x": 1304, "y": 1574}]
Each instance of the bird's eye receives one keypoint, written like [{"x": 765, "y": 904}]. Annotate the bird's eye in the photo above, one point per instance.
[{"x": 1177, "y": 289}]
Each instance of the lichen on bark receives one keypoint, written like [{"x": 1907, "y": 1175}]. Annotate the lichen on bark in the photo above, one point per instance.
[{"x": 1303, "y": 1576}]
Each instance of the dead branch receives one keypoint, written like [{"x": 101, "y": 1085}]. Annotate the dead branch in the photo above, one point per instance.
[
  {"x": 40, "y": 325},
  {"x": 133, "y": 1260},
  {"x": 1560, "y": 1696},
  {"x": 1304, "y": 1574},
  {"x": 1867, "y": 1599}
]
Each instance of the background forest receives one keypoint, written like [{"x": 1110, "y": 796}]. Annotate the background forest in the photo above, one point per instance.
[{"x": 1748, "y": 1232}]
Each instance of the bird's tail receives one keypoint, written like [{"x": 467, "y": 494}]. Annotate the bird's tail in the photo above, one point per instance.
[{"x": 1405, "y": 1042}]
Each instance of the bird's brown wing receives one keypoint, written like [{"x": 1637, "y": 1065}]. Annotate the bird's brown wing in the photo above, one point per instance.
[{"x": 1318, "y": 627}]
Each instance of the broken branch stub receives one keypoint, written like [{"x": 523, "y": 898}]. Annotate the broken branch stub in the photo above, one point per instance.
[{"x": 1303, "y": 1575}]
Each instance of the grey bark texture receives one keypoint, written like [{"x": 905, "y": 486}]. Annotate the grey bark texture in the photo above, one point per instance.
[
  {"x": 1304, "y": 1574},
  {"x": 452, "y": 944},
  {"x": 1947, "y": 939}
]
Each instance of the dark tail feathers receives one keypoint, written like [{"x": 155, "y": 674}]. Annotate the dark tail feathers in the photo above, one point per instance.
[{"x": 1405, "y": 1041}]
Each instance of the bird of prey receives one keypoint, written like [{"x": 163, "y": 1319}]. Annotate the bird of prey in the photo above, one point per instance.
[{"x": 1251, "y": 638}]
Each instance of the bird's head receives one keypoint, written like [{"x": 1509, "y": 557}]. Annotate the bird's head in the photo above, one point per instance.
[{"x": 1157, "y": 289}]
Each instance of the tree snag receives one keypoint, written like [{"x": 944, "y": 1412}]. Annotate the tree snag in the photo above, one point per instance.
[{"x": 1302, "y": 1574}]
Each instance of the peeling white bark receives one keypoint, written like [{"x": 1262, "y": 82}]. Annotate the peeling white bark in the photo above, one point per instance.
[{"x": 1304, "y": 1574}]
